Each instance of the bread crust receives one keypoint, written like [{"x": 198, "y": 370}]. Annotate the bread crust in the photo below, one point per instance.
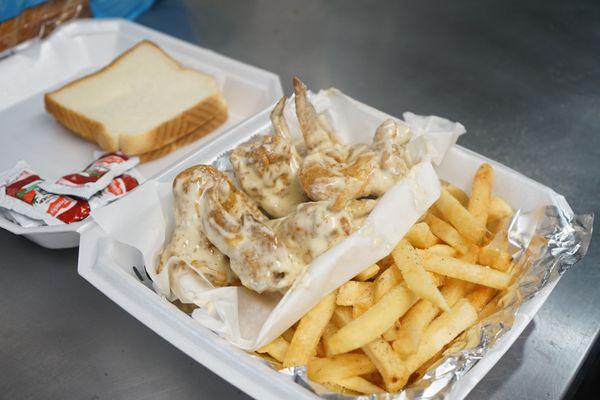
[
  {"x": 198, "y": 133},
  {"x": 192, "y": 119}
]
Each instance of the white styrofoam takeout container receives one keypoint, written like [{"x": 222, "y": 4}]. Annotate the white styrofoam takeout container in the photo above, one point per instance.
[
  {"x": 78, "y": 48},
  {"x": 107, "y": 264}
]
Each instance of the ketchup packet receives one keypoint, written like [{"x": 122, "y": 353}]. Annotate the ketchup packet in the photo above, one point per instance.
[
  {"x": 21, "y": 192},
  {"x": 95, "y": 177}
]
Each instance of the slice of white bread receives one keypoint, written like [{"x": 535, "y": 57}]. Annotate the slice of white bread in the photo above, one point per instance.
[
  {"x": 142, "y": 101},
  {"x": 191, "y": 137}
]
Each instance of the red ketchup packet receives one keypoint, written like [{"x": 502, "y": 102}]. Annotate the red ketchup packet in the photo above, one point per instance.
[
  {"x": 95, "y": 177},
  {"x": 21, "y": 192}
]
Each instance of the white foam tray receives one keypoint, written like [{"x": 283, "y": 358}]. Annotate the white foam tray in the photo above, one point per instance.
[
  {"x": 107, "y": 264},
  {"x": 79, "y": 48}
]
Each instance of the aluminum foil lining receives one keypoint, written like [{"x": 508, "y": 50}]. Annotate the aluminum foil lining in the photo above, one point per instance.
[{"x": 546, "y": 242}]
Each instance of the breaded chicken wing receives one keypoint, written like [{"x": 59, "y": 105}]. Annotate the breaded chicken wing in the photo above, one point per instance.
[
  {"x": 189, "y": 246},
  {"x": 267, "y": 169}
]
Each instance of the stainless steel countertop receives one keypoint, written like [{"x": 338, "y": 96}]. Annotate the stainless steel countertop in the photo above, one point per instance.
[{"x": 523, "y": 79}]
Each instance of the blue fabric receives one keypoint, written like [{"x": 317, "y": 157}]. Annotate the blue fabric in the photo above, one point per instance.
[{"x": 130, "y": 9}]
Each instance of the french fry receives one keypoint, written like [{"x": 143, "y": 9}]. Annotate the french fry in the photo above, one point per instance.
[
  {"x": 472, "y": 256},
  {"x": 386, "y": 360},
  {"x": 481, "y": 296},
  {"x": 385, "y": 262},
  {"x": 373, "y": 322},
  {"x": 274, "y": 363},
  {"x": 337, "y": 367},
  {"x": 495, "y": 258},
  {"x": 353, "y": 292},
  {"x": 481, "y": 191},
  {"x": 330, "y": 329},
  {"x": 391, "y": 334},
  {"x": 387, "y": 280},
  {"x": 499, "y": 209},
  {"x": 414, "y": 322},
  {"x": 334, "y": 387},
  {"x": 447, "y": 233},
  {"x": 309, "y": 332},
  {"x": 489, "y": 309},
  {"x": 358, "y": 384},
  {"x": 415, "y": 276},
  {"x": 443, "y": 250},
  {"x": 459, "y": 269},
  {"x": 419, "y": 235},
  {"x": 442, "y": 331},
  {"x": 276, "y": 349},
  {"x": 288, "y": 334},
  {"x": 457, "y": 193},
  {"x": 433, "y": 210},
  {"x": 460, "y": 218},
  {"x": 368, "y": 273}
]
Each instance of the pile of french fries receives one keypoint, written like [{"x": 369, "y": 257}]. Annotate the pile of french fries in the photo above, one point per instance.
[{"x": 386, "y": 326}]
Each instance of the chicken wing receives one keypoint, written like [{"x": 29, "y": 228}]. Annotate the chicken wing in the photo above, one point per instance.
[
  {"x": 267, "y": 169},
  {"x": 236, "y": 227},
  {"x": 314, "y": 227},
  {"x": 318, "y": 134},
  {"x": 363, "y": 170},
  {"x": 189, "y": 246}
]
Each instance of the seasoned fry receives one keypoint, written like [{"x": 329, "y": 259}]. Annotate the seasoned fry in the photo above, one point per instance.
[
  {"x": 386, "y": 360},
  {"x": 334, "y": 387},
  {"x": 419, "y": 235},
  {"x": 459, "y": 269},
  {"x": 352, "y": 292},
  {"x": 458, "y": 193},
  {"x": 374, "y": 322},
  {"x": 391, "y": 334},
  {"x": 358, "y": 384},
  {"x": 309, "y": 331},
  {"x": 472, "y": 256},
  {"x": 481, "y": 296},
  {"x": 495, "y": 258},
  {"x": 499, "y": 209},
  {"x": 276, "y": 349},
  {"x": 288, "y": 334},
  {"x": 387, "y": 280},
  {"x": 442, "y": 331},
  {"x": 481, "y": 191},
  {"x": 460, "y": 218},
  {"x": 416, "y": 319},
  {"x": 341, "y": 366},
  {"x": 415, "y": 276},
  {"x": 443, "y": 250},
  {"x": 330, "y": 329},
  {"x": 447, "y": 233},
  {"x": 368, "y": 273},
  {"x": 385, "y": 262}
]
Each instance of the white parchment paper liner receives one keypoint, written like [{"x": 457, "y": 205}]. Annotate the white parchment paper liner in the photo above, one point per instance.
[{"x": 247, "y": 319}]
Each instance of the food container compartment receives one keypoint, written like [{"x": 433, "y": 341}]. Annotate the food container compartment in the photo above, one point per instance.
[
  {"x": 108, "y": 265},
  {"x": 79, "y": 48}
]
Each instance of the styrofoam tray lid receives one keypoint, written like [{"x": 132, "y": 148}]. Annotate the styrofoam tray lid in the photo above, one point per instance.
[
  {"x": 76, "y": 49},
  {"x": 108, "y": 265}
]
